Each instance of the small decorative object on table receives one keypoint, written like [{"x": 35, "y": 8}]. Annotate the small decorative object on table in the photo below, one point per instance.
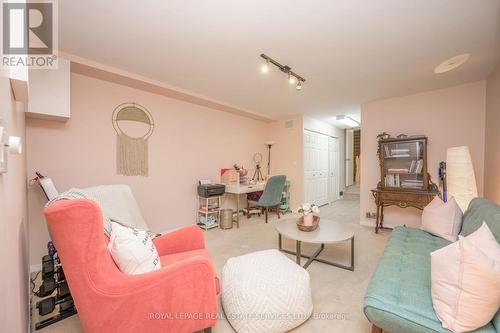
[
  {"x": 308, "y": 222},
  {"x": 242, "y": 172}
]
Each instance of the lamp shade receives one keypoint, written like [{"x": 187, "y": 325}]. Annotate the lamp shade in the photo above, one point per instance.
[{"x": 460, "y": 177}]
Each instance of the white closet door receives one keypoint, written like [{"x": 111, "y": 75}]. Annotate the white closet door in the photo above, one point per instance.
[
  {"x": 322, "y": 176},
  {"x": 316, "y": 168},
  {"x": 333, "y": 175}
]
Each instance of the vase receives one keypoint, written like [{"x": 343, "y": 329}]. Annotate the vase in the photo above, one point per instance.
[{"x": 308, "y": 219}]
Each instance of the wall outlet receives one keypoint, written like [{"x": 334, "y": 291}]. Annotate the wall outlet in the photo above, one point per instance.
[{"x": 371, "y": 215}]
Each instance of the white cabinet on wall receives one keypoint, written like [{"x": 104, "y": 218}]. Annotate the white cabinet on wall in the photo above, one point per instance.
[
  {"x": 316, "y": 168},
  {"x": 49, "y": 92}
]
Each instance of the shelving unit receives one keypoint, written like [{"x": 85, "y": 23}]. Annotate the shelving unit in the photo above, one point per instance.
[
  {"x": 404, "y": 180},
  {"x": 403, "y": 163},
  {"x": 208, "y": 215}
]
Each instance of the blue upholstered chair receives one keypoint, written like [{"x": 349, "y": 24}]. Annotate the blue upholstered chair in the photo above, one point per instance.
[{"x": 271, "y": 198}]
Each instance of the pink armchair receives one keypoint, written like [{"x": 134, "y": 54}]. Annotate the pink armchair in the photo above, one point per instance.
[{"x": 179, "y": 297}]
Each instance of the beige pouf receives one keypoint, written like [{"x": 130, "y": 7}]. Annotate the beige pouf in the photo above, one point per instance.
[{"x": 265, "y": 292}]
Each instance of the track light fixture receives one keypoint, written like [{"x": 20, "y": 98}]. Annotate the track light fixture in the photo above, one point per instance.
[
  {"x": 298, "y": 86},
  {"x": 293, "y": 78}
]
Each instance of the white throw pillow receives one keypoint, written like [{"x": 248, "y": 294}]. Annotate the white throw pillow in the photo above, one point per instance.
[
  {"x": 484, "y": 240},
  {"x": 133, "y": 250},
  {"x": 443, "y": 219},
  {"x": 465, "y": 281}
]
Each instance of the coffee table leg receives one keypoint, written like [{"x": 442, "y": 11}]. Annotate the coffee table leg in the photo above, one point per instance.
[
  {"x": 298, "y": 253},
  {"x": 314, "y": 256}
]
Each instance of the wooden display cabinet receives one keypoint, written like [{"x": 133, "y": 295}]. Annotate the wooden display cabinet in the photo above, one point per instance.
[{"x": 404, "y": 179}]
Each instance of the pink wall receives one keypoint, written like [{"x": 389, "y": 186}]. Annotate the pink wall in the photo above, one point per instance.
[
  {"x": 448, "y": 117},
  {"x": 287, "y": 155},
  {"x": 492, "y": 138},
  {"x": 190, "y": 142},
  {"x": 13, "y": 222}
]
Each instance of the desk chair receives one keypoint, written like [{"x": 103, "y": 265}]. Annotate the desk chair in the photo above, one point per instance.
[{"x": 271, "y": 198}]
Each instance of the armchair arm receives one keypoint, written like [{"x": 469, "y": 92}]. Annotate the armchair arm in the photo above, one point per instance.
[
  {"x": 187, "y": 287},
  {"x": 181, "y": 240}
]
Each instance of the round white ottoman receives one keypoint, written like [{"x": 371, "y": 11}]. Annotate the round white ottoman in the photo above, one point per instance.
[{"x": 265, "y": 292}]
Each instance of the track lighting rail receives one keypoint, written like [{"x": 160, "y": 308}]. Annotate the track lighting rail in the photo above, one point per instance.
[{"x": 284, "y": 68}]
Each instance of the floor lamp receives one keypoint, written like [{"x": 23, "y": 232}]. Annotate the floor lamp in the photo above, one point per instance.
[
  {"x": 269, "y": 144},
  {"x": 460, "y": 177}
]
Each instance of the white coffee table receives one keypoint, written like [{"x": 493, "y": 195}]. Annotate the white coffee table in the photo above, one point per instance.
[{"x": 328, "y": 232}]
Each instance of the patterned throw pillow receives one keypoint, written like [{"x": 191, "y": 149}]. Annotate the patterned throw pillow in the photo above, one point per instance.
[{"x": 133, "y": 250}]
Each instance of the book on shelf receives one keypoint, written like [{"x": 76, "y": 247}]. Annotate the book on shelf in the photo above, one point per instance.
[
  {"x": 412, "y": 183},
  {"x": 397, "y": 170},
  {"x": 419, "y": 166},
  {"x": 387, "y": 151},
  {"x": 411, "y": 169},
  {"x": 411, "y": 186},
  {"x": 401, "y": 151},
  {"x": 209, "y": 208},
  {"x": 392, "y": 180}
]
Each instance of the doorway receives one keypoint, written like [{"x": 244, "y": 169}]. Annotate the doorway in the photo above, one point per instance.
[{"x": 352, "y": 157}]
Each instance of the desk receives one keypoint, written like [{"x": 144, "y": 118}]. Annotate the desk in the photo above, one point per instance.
[
  {"x": 402, "y": 199},
  {"x": 237, "y": 189}
]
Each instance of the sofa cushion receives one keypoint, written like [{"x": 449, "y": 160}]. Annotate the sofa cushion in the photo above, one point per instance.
[
  {"x": 398, "y": 298},
  {"x": 481, "y": 210},
  {"x": 465, "y": 281},
  {"x": 443, "y": 219}
]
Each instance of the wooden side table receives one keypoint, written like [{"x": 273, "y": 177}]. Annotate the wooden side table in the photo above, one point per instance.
[{"x": 403, "y": 199}]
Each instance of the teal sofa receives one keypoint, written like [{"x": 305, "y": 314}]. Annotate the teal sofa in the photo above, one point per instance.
[{"x": 398, "y": 298}]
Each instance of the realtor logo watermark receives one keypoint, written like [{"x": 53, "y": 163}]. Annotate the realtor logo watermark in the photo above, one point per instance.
[{"x": 29, "y": 34}]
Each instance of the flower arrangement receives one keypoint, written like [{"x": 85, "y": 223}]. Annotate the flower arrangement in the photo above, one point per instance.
[{"x": 308, "y": 208}]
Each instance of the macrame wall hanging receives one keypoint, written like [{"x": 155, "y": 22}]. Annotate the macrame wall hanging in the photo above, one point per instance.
[{"x": 132, "y": 151}]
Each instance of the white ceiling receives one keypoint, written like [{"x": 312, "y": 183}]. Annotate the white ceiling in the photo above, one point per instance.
[{"x": 349, "y": 51}]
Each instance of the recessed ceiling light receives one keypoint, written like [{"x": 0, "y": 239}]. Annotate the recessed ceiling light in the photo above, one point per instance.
[{"x": 451, "y": 63}]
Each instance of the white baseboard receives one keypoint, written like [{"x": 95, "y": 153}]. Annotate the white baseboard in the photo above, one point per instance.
[{"x": 35, "y": 268}]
